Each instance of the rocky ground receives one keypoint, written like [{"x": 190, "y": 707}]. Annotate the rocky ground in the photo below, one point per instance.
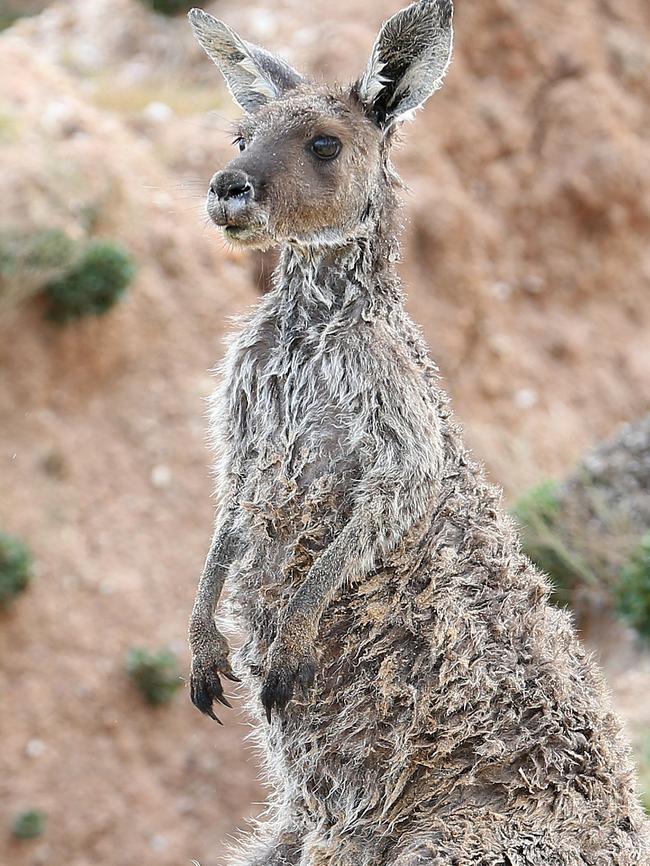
[{"x": 527, "y": 264}]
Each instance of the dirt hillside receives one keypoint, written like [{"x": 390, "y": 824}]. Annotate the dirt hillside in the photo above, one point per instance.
[
  {"x": 527, "y": 263},
  {"x": 104, "y": 473}
]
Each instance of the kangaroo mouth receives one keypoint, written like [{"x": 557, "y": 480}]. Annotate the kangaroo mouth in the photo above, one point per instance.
[
  {"x": 251, "y": 234},
  {"x": 247, "y": 236},
  {"x": 246, "y": 226},
  {"x": 235, "y": 231}
]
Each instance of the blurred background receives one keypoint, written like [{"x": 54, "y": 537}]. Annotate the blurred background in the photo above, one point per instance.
[{"x": 527, "y": 262}]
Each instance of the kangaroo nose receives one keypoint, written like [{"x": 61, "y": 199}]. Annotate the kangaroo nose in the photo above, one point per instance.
[{"x": 231, "y": 183}]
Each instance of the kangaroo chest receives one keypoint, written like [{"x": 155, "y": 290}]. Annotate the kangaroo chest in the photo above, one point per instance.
[
  {"x": 295, "y": 422},
  {"x": 297, "y": 452}
]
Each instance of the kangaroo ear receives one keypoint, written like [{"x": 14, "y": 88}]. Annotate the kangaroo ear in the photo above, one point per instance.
[
  {"x": 253, "y": 75},
  {"x": 408, "y": 60}
]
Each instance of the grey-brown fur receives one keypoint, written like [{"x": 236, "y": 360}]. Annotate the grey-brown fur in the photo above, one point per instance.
[{"x": 426, "y": 704}]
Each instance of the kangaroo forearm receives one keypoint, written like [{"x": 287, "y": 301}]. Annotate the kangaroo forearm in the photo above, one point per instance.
[
  {"x": 346, "y": 557},
  {"x": 222, "y": 552},
  {"x": 372, "y": 531},
  {"x": 209, "y": 647}
]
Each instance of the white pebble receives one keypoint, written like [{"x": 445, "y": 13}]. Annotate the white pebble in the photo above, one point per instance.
[
  {"x": 159, "y": 842},
  {"x": 35, "y": 748},
  {"x": 526, "y": 398},
  {"x": 158, "y": 112},
  {"x": 161, "y": 476}
]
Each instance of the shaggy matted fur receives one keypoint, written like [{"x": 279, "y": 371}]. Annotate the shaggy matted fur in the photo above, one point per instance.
[{"x": 426, "y": 704}]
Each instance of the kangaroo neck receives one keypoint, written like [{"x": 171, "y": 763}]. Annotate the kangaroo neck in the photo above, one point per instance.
[{"x": 347, "y": 279}]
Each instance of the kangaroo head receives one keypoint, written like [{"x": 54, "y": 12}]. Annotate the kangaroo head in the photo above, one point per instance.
[{"x": 313, "y": 160}]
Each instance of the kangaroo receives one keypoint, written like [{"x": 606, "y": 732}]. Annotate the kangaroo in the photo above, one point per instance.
[{"x": 425, "y": 702}]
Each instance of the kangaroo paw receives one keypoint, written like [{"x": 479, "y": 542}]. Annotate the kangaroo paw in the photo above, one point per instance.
[
  {"x": 287, "y": 672},
  {"x": 209, "y": 664}
]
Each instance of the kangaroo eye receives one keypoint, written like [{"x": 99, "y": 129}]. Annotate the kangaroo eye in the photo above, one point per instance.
[
  {"x": 326, "y": 147},
  {"x": 240, "y": 142}
]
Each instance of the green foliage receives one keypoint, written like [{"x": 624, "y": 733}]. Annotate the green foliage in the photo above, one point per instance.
[
  {"x": 93, "y": 285},
  {"x": 47, "y": 250},
  {"x": 169, "y": 7},
  {"x": 155, "y": 674},
  {"x": 633, "y": 591},
  {"x": 12, "y": 10},
  {"x": 8, "y": 17},
  {"x": 15, "y": 567},
  {"x": 539, "y": 514},
  {"x": 78, "y": 278},
  {"x": 30, "y": 824},
  {"x": 541, "y": 502}
]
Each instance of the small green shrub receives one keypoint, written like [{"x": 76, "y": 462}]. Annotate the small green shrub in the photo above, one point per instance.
[
  {"x": 29, "y": 260},
  {"x": 539, "y": 503},
  {"x": 93, "y": 285},
  {"x": 12, "y": 10},
  {"x": 155, "y": 674},
  {"x": 169, "y": 7},
  {"x": 633, "y": 591},
  {"x": 48, "y": 250},
  {"x": 15, "y": 567},
  {"x": 30, "y": 824},
  {"x": 539, "y": 512}
]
